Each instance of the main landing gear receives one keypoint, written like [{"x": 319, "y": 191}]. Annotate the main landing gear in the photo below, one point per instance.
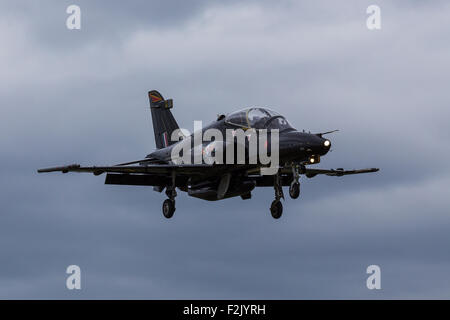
[
  {"x": 276, "y": 209},
  {"x": 168, "y": 207}
]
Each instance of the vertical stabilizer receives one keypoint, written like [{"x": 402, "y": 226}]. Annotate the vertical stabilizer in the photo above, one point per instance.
[{"x": 163, "y": 121}]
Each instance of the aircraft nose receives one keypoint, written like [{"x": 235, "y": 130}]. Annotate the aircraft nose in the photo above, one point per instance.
[{"x": 325, "y": 146}]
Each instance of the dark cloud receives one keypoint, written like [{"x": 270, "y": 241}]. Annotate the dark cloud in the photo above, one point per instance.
[{"x": 70, "y": 96}]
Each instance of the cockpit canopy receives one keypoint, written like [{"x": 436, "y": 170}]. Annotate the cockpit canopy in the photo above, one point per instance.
[{"x": 258, "y": 118}]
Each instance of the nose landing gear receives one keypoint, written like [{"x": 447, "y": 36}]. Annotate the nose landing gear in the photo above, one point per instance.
[
  {"x": 276, "y": 208},
  {"x": 294, "y": 189}
]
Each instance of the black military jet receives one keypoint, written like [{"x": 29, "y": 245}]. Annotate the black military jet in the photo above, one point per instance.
[{"x": 216, "y": 181}]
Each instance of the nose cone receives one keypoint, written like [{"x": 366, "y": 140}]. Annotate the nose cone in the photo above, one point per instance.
[
  {"x": 325, "y": 146},
  {"x": 301, "y": 145},
  {"x": 319, "y": 145}
]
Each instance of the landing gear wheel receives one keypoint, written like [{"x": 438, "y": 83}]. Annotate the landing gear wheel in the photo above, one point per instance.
[
  {"x": 276, "y": 209},
  {"x": 294, "y": 190},
  {"x": 246, "y": 196},
  {"x": 168, "y": 208}
]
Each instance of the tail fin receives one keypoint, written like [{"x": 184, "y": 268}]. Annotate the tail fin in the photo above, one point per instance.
[{"x": 163, "y": 121}]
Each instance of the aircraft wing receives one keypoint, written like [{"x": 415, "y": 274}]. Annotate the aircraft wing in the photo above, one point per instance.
[
  {"x": 312, "y": 172},
  {"x": 161, "y": 174},
  {"x": 150, "y": 174},
  {"x": 137, "y": 169},
  {"x": 286, "y": 175},
  {"x": 337, "y": 172}
]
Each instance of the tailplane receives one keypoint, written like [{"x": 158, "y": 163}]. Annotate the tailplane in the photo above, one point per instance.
[{"x": 163, "y": 121}]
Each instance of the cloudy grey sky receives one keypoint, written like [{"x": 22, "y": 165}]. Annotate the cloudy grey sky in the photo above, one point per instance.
[{"x": 81, "y": 96}]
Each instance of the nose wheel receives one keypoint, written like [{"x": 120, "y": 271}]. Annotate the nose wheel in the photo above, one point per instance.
[{"x": 294, "y": 190}]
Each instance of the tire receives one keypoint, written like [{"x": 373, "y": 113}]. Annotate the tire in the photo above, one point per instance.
[
  {"x": 168, "y": 208},
  {"x": 246, "y": 196},
  {"x": 276, "y": 209},
  {"x": 294, "y": 190}
]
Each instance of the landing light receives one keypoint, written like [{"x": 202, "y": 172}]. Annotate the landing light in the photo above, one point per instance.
[
  {"x": 326, "y": 143},
  {"x": 311, "y": 160}
]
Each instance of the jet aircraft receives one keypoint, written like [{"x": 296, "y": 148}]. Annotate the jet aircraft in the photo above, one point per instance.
[{"x": 298, "y": 150}]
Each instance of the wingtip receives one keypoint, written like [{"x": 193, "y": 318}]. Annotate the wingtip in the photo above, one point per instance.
[{"x": 63, "y": 169}]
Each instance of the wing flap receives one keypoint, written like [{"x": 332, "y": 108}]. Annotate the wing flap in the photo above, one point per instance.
[{"x": 137, "y": 179}]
